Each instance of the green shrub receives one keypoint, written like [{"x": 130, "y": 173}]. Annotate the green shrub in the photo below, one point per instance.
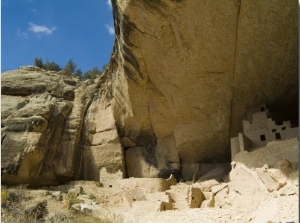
[
  {"x": 92, "y": 74},
  {"x": 52, "y": 66},
  {"x": 4, "y": 196},
  {"x": 72, "y": 199},
  {"x": 38, "y": 62},
  {"x": 70, "y": 66},
  {"x": 92, "y": 197}
]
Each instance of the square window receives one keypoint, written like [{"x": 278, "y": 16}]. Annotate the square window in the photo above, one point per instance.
[
  {"x": 283, "y": 128},
  {"x": 273, "y": 130},
  {"x": 277, "y": 135},
  {"x": 263, "y": 138}
]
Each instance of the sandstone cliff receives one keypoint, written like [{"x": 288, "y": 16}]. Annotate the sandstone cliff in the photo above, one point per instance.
[
  {"x": 42, "y": 118},
  {"x": 188, "y": 70},
  {"x": 180, "y": 79}
]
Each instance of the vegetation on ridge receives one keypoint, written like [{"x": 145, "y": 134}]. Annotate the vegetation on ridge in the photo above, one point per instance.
[{"x": 70, "y": 67}]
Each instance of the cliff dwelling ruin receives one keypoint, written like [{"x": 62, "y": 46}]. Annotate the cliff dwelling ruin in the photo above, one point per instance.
[{"x": 259, "y": 129}]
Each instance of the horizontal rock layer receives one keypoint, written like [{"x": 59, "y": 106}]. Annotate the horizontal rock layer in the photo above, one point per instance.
[{"x": 55, "y": 133}]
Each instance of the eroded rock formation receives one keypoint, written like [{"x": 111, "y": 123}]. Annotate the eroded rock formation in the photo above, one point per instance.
[
  {"x": 42, "y": 121},
  {"x": 188, "y": 70},
  {"x": 181, "y": 77}
]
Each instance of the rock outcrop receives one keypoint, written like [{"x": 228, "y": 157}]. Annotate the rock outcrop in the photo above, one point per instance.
[
  {"x": 188, "y": 70},
  {"x": 181, "y": 77},
  {"x": 42, "y": 126}
]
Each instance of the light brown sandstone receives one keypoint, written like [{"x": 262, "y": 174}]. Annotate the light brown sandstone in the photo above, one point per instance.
[
  {"x": 189, "y": 70},
  {"x": 181, "y": 77}
]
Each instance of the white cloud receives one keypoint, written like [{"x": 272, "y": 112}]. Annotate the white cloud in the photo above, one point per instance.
[
  {"x": 22, "y": 34},
  {"x": 40, "y": 29},
  {"x": 110, "y": 29},
  {"x": 109, "y": 3},
  {"x": 34, "y": 11}
]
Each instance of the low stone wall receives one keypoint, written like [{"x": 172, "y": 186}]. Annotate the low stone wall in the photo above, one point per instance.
[{"x": 147, "y": 185}]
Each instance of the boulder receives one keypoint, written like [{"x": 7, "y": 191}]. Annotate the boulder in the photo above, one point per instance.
[
  {"x": 277, "y": 210},
  {"x": 267, "y": 180},
  {"x": 245, "y": 181},
  {"x": 207, "y": 185}
]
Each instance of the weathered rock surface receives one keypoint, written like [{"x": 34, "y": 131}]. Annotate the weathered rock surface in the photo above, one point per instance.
[
  {"x": 180, "y": 79},
  {"x": 42, "y": 121},
  {"x": 188, "y": 70}
]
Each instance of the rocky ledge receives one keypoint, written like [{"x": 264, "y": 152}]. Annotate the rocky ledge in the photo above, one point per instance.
[{"x": 180, "y": 80}]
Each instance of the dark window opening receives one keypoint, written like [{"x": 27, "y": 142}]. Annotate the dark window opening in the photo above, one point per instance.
[
  {"x": 273, "y": 130},
  {"x": 262, "y": 109},
  {"x": 110, "y": 185},
  {"x": 134, "y": 199},
  {"x": 192, "y": 198},
  {"x": 262, "y": 138},
  {"x": 283, "y": 128},
  {"x": 294, "y": 123},
  {"x": 277, "y": 135}
]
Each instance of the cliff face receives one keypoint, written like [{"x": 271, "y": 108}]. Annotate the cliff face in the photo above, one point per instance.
[
  {"x": 42, "y": 119},
  {"x": 181, "y": 77},
  {"x": 188, "y": 70}
]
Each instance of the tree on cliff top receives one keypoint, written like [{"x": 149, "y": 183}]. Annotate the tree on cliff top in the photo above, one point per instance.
[
  {"x": 38, "y": 62},
  {"x": 92, "y": 74},
  {"x": 70, "y": 67}
]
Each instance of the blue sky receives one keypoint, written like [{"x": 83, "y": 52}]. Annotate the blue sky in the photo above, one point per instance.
[{"x": 57, "y": 30}]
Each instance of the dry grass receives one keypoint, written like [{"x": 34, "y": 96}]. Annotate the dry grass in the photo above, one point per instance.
[
  {"x": 72, "y": 217},
  {"x": 14, "y": 208},
  {"x": 19, "y": 206}
]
